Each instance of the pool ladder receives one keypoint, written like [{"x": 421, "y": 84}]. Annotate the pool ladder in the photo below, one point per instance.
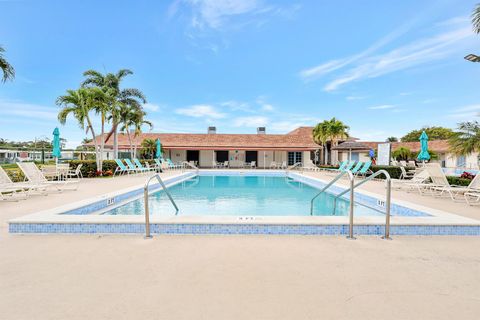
[
  {"x": 145, "y": 197},
  {"x": 351, "y": 189}
]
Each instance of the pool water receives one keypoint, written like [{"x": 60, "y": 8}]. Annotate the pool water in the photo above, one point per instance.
[{"x": 241, "y": 196}]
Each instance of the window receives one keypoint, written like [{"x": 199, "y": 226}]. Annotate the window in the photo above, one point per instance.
[
  {"x": 294, "y": 157},
  {"x": 461, "y": 161}
]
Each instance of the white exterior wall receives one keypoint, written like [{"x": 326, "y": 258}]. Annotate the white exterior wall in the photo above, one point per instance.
[
  {"x": 268, "y": 159},
  {"x": 471, "y": 161},
  {"x": 306, "y": 157},
  {"x": 176, "y": 155},
  {"x": 206, "y": 158},
  {"x": 345, "y": 155}
]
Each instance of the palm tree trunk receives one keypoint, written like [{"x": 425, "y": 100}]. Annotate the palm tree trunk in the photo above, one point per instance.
[
  {"x": 115, "y": 139},
  {"x": 94, "y": 136},
  {"x": 130, "y": 141},
  {"x": 102, "y": 143}
]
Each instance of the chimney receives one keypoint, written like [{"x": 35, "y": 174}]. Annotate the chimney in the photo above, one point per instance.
[
  {"x": 261, "y": 130},
  {"x": 212, "y": 130}
]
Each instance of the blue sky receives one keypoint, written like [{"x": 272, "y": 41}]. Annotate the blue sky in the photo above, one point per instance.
[{"x": 382, "y": 67}]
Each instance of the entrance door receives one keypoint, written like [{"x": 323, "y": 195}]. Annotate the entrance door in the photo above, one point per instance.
[
  {"x": 193, "y": 155},
  {"x": 251, "y": 156},
  {"x": 222, "y": 156},
  {"x": 294, "y": 157}
]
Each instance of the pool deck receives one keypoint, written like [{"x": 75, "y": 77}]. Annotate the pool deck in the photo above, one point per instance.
[{"x": 234, "y": 277}]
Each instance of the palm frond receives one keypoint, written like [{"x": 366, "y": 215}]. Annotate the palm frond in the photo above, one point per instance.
[{"x": 476, "y": 19}]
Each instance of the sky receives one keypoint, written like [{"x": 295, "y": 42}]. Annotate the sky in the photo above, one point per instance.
[{"x": 381, "y": 67}]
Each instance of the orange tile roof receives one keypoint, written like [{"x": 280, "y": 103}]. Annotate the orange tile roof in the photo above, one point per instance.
[
  {"x": 298, "y": 139},
  {"x": 441, "y": 146}
]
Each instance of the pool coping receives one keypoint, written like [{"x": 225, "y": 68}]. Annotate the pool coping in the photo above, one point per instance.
[{"x": 55, "y": 216}]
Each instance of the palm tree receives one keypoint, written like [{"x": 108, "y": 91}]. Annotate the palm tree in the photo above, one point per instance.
[
  {"x": 467, "y": 139},
  {"x": 402, "y": 153},
  {"x": 110, "y": 84},
  {"x": 7, "y": 69},
  {"x": 320, "y": 136},
  {"x": 130, "y": 116},
  {"x": 79, "y": 103},
  {"x": 337, "y": 130},
  {"x": 476, "y": 19},
  {"x": 149, "y": 147},
  {"x": 392, "y": 139}
]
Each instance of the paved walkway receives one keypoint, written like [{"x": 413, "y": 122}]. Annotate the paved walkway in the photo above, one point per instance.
[{"x": 230, "y": 277}]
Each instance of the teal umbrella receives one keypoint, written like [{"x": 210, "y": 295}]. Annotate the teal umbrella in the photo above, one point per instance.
[
  {"x": 56, "y": 152},
  {"x": 159, "y": 149},
  {"x": 423, "y": 155}
]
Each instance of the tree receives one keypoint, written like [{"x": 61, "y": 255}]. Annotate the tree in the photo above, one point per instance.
[
  {"x": 467, "y": 139},
  {"x": 7, "y": 69},
  {"x": 149, "y": 147},
  {"x": 402, "y": 153},
  {"x": 79, "y": 103},
  {"x": 337, "y": 130},
  {"x": 132, "y": 117},
  {"x": 110, "y": 84},
  {"x": 320, "y": 136},
  {"x": 476, "y": 19},
  {"x": 392, "y": 139},
  {"x": 434, "y": 133}
]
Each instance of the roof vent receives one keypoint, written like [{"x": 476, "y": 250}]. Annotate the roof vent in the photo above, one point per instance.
[
  {"x": 212, "y": 130},
  {"x": 261, "y": 130}
]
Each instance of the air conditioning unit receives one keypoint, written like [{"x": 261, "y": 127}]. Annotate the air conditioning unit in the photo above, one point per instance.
[
  {"x": 212, "y": 130},
  {"x": 261, "y": 130}
]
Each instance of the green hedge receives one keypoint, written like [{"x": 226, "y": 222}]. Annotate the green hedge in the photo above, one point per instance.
[
  {"x": 394, "y": 172},
  {"x": 89, "y": 168},
  {"x": 457, "y": 181}
]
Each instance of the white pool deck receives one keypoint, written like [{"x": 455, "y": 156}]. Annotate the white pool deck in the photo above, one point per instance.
[
  {"x": 234, "y": 277},
  {"x": 441, "y": 211}
]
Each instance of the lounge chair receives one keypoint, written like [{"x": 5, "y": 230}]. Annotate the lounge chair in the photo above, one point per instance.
[
  {"x": 158, "y": 165},
  {"x": 251, "y": 164},
  {"x": 273, "y": 165},
  {"x": 415, "y": 183},
  {"x": 225, "y": 164},
  {"x": 347, "y": 167},
  {"x": 133, "y": 167},
  {"x": 412, "y": 164},
  {"x": 139, "y": 165},
  {"x": 75, "y": 173},
  {"x": 357, "y": 167},
  {"x": 36, "y": 177},
  {"x": 341, "y": 167},
  {"x": 403, "y": 163},
  {"x": 310, "y": 166},
  {"x": 14, "y": 191},
  {"x": 405, "y": 174},
  {"x": 365, "y": 169},
  {"x": 121, "y": 168},
  {"x": 453, "y": 191},
  {"x": 284, "y": 165},
  {"x": 472, "y": 197}
]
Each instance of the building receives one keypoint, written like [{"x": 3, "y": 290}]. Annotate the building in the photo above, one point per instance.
[
  {"x": 204, "y": 149},
  {"x": 359, "y": 151}
]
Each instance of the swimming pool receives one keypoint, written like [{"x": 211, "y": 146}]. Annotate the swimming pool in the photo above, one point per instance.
[
  {"x": 241, "y": 202},
  {"x": 227, "y": 195}
]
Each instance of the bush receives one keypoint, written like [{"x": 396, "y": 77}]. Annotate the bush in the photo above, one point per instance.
[
  {"x": 89, "y": 168},
  {"x": 458, "y": 181},
  {"x": 394, "y": 171}
]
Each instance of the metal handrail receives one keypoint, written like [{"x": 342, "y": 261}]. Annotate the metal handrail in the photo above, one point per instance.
[
  {"x": 145, "y": 196},
  {"x": 191, "y": 165},
  {"x": 341, "y": 174},
  {"x": 388, "y": 197}
]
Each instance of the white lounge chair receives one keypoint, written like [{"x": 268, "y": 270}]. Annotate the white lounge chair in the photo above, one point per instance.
[
  {"x": 77, "y": 173},
  {"x": 35, "y": 176},
  {"x": 251, "y": 165},
  {"x": 472, "y": 197}
]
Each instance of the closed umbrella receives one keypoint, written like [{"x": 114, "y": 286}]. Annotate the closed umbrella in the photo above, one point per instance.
[
  {"x": 423, "y": 155},
  {"x": 56, "y": 152},
  {"x": 159, "y": 149}
]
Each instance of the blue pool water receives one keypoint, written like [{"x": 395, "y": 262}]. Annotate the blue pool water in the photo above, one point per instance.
[{"x": 241, "y": 196}]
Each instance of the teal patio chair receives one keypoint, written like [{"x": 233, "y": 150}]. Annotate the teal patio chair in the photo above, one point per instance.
[
  {"x": 140, "y": 166},
  {"x": 365, "y": 169},
  {"x": 121, "y": 168},
  {"x": 132, "y": 166},
  {"x": 357, "y": 167}
]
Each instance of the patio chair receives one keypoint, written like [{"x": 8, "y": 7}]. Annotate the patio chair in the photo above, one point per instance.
[
  {"x": 357, "y": 167},
  {"x": 284, "y": 165},
  {"x": 403, "y": 163},
  {"x": 226, "y": 164},
  {"x": 158, "y": 165},
  {"x": 348, "y": 166},
  {"x": 405, "y": 174},
  {"x": 365, "y": 169},
  {"x": 472, "y": 197},
  {"x": 35, "y": 176},
  {"x": 14, "y": 191},
  {"x": 75, "y": 173},
  {"x": 412, "y": 164},
  {"x": 251, "y": 165},
  {"x": 341, "y": 167},
  {"x": 121, "y": 168},
  {"x": 452, "y": 190},
  {"x": 415, "y": 183},
  {"x": 139, "y": 165}
]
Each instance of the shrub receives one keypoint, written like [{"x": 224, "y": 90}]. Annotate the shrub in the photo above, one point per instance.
[
  {"x": 89, "y": 168},
  {"x": 458, "y": 181},
  {"x": 394, "y": 171}
]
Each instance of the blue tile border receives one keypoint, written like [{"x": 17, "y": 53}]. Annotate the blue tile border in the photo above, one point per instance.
[{"x": 266, "y": 229}]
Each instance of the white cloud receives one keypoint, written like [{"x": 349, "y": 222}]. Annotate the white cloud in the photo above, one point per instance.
[
  {"x": 27, "y": 110},
  {"x": 236, "y": 105},
  {"x": 151, "y": 107},
  {"x": 267, "y": 107},
  {"x": 382, "y": 107},
  {"x": 250, "y": 122},
  {"x": 201, "y": 111},
  {"x": 466, "y": 112},
  {"x": 352, "y": 98},
  {"x": 407, "y": 56}
]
